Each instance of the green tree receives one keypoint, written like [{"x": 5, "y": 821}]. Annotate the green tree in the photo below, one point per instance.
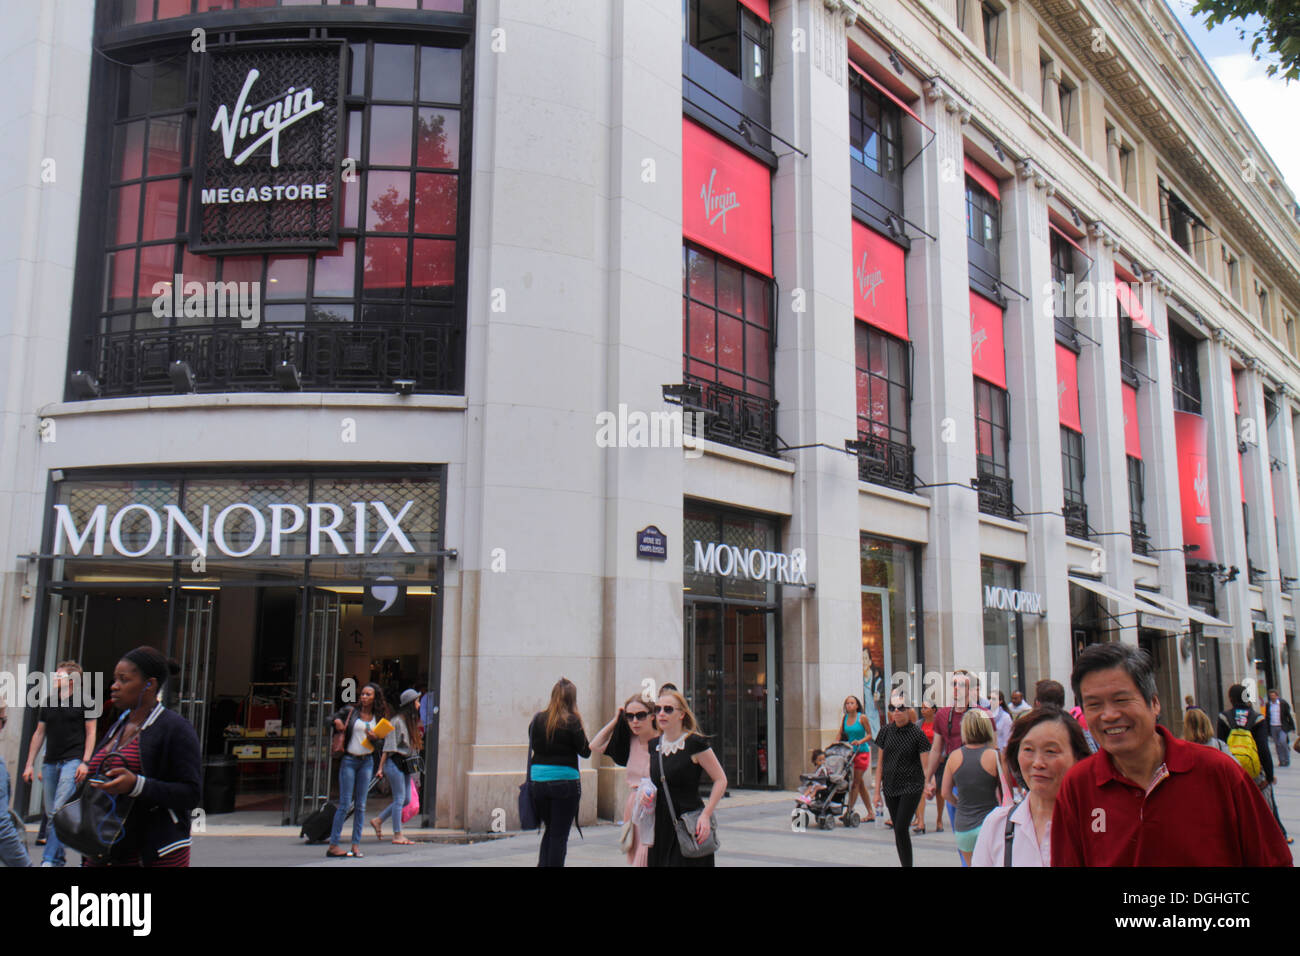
[{"x": 1276, "y": 31}]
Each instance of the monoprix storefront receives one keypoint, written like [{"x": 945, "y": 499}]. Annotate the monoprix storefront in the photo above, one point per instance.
[{"x": 278, "y": 592}]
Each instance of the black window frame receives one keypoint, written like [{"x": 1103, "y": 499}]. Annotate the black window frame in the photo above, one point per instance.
[
  {"x": 1137, "y": 505},
  {"x": 991, "y": 17},
  {"x": 1073, "y": 473},
  {"x": 983, "y": 253},
  {"x": 1062, "y": 269},
  {"x": 1185, "y": 370},
  {"x": 883, "y": 186},
  {"x": 885, "y": 459},
  {"x": 720, "y": 97}
]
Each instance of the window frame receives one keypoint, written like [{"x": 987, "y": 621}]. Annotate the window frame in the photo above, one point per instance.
[
  {"x": 689, "y": 360},
  {"x": 999, "y": 399},
  {"x": 1185, "y": 375}
]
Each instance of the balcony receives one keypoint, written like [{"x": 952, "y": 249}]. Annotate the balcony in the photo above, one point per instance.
[
  {"x": 1076, "y": 518},
  {"x": 1140, "y": 539},
  {"x": 737, "y": 418},
  {"x": 885, "y": 462},
  {"x": 995, "y": 495},
  {"x": 329, "y": 358}
]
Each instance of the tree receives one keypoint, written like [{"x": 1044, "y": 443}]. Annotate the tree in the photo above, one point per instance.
[{"x": 1276, "y": 28}]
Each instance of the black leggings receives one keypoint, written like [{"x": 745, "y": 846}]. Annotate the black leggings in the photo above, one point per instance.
[
  {"x": 901, "y": 809},
  {"x": 557, "y": 807}
]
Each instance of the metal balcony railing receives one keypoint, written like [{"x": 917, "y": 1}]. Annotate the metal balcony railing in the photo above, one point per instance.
[
  {"x": 885, "y": 462},
  {"x": 995, "y": 495},
  {"x": 737, "y": 418},
  {"x": 342, "y": 357},
  {"x": 1141, "y": 540},
  {"x": 1076, "y": 518}
]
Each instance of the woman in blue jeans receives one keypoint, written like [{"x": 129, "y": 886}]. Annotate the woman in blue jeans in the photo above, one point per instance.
[
  {"x": 358, "y": 765},
  {"x": 556, "y": 741},
  {"x": 13, "y": 851},
  {"x": 403, "y": 745}
]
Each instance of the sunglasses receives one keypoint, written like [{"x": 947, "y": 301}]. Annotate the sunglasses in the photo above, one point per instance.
[
  {"x": 665, "y": 710},
  {"x": 895, "y": 709},
  {"x": 638, "y": 715}
]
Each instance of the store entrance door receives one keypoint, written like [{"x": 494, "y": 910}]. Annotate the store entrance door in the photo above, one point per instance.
[
  {"x": 731, "y": 668},
  {"x": 318, "y": 686}
]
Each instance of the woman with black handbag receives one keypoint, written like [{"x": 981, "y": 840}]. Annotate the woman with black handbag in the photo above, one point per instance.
[
  {"x": 556, "y": 739},
  {"x": 684, "y": 829},
  {"x": 148, "y": 767},
  {"x": 402, "y": 748}
]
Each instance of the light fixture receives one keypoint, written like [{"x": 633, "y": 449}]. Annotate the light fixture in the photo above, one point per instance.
[
  {"x": 182, "y": 376},
  {"x": 746, "y": 133},
  {"x": 287, "y": 377},
  {"x": 895, "y": 226},
  {"x": 1137, "y": 268},
  {"x": 997, "y": 149},
  {"x": 686, "y": 395},
  {"x": 1074, "y": 214},
  {"x": 84, "y": 385},
  {"x": 895, "y": 62},
  {"x": 404, "y": 386}
]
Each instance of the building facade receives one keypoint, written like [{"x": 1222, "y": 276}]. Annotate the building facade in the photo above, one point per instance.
[{"x": 345, "y": 346}]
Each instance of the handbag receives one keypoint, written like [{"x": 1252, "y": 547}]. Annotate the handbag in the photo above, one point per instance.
[
  {"x": 626, "y": 838},
  {"x": 412, "y": 802},
  {"x": 527, "y": 808},
  {"x": 685, "y": 825},
  {"x": 336, "y": 739},
  {"x": 94, "y": 822}
]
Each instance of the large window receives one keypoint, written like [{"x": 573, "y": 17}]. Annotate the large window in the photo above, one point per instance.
[
  {"x": 893, "y": 649},
  {"x": 884, "y": 401},
  {"x": 1127, "y": 366},
  {"x": 727, "y": 351},
  {"x": 981, "y": 216},
  {"x": 1136, "y": 507},
  {"x": 992, "y": 18},
  {"x": 1063, "y": 277},
  {"x": 993, "y": 448},
  {"x": 1004, "y": 649},
  {"x": 1075, "y": 509},
  {"x": 1186, "y": 373},
  {"x": 732, "y": 37},
  {"x": 875, "y": 139},
  {"x": 393, "y": 284},
  {"x": 1178, "y": 220}
]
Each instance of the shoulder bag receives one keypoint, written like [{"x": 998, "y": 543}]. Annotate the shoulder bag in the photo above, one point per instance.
[
  {"x": 94, "y": 822},
  {"x": 336, "y": 739},
  {"x": 684, "y": 826},
  {"x": 527, "y": 808}
]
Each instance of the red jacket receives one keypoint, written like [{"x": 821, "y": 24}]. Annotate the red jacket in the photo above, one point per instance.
[{"x": 1203, "y": 812}]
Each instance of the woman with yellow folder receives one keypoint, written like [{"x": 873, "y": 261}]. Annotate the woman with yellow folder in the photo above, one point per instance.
[{"x": 362, "y": 725}]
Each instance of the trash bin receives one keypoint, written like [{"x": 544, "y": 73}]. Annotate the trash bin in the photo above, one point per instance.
[{"x": 220, "y": 778}]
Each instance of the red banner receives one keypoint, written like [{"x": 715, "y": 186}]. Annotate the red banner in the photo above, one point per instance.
[
  {"x": 1067, "y": 388},
  {"x": 988, "y": 359},
  {"x": 890, "y": 96},
  {"x": 1132, "y": 438},
  {"x": 760, "y": 8},
  {"x": 1241, "y": 470},
  {"x": 978, "y": 173},
  {"x": 879, "y": 293},
  {"x": 1194, "y": 483},
  {"x": 726, "y": 199},
  {"x": 1236, "y": 403},
  {"x": 1131, "y": 300}
]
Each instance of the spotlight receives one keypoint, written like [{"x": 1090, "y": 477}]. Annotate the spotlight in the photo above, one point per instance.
[
  {"x": 84, "y": 385},
  {"x": 895, "y": 226},
  {"x": 182, "y": 377},
  {"x": 895, "y": 62},
  {"x": 997, "y": 149},
  {"x": 404, "y": 386},
  {"x": 1074, "y": 214},
  {"x": 683, "y": 395},
  {"x": 287, "y": 377},
  {"x": 746, "y": 132},
  {"x": 1137, "y": 268}
]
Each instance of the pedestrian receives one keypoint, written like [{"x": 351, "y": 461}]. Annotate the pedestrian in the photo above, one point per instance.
[
  {"x": 157, "y": 760},
  {"x": 899, "y": 773},
  {"x": 626, "y": 741},
  {"x": 357, "y": 723},
  {"x": 947, "y": 735},
  {"x": 975, "y": 770},
  {"x": 1019, "y": 706},
  {"x": 874, "y": 688},
  {"x": 1280, "y": 724},
  {"x": 1198, "y": 730},
  {"x": 1189, "y": 702},
  {"x": 855, "y": 729},
  {"x": 1002, "y": 719},
  {"x": 557, "y": 739},
  {"x": 67, "y": 729},
  {"x": 1049, "y": 693},
  {"x": 426, "y": 706},
  {"x": 1165, "y": 802},
  {"x": 1044, "y": 745},
  {"x": 402, "y": 749},
  {"x": 1245, "y": 731},
  {"x": 13, "y": 850},
  {"x": 928, "y": 710},
  {"x": 679, "y": 757}
]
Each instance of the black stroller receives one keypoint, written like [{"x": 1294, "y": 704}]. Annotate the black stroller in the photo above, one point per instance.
[{"x": 834, "y": 778}]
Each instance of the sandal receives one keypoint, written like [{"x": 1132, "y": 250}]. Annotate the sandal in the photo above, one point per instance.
[
  {"x": 335, "y": 856},
  {"x": 404, "y": 842},
  {"x": 889, "y": 824},
  {"x": 918, "y": 830},
  {"x": 356, "y": 853},
  {"x": 378, "y": 827}
]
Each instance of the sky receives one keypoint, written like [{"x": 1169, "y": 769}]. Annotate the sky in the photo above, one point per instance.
[{"x": 1270, "y": 105}]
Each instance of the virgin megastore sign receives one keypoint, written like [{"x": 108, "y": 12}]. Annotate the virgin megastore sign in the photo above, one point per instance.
[{"x": 267, "y": 171}]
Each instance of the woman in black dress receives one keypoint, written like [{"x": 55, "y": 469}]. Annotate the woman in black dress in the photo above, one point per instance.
[
  {"x": 681, "y": 755},
  {"x": 901, "y": 745}
]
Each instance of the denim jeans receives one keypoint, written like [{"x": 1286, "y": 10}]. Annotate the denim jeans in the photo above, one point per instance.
[
  {"x": 1282, "y": 745},
  {"x": 13, "y": 852},
  {"x": 58, "y": 783},
  {"x": 354, "y": 782},
  {"x": 401, "y": 791},
  {"x": 557, "y": 808}
]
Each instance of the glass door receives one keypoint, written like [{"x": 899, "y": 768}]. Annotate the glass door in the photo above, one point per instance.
[
  {"x": 194, "y": 654},
  {"x": 318, "y": 680}
]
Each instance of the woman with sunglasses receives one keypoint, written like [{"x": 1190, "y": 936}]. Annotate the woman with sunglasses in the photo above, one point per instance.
[
  {"x": 678, "y": 758},
  {"x": 855, "y": 729},
  {"x": 899, "y": 771},
  {"x": 626, "y": 741}
]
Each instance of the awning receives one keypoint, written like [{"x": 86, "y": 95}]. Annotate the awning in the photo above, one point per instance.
[
  {"x": 1067, "y": 388},
  {"x": 988, "y": 359},
  {"x": 1132, "y": 438},
  {"x": 726, "y": 199},
  {"x": 879, "y": 289},
  {"x": 1221, "y": 628},
  {"x": 894, "y": 99},
  {"x": 1068, "y": 238},
  {"x": 1130, "y": 601},
  {"x": 1190, "y": 439},
  {"x": 760, "y": 9},
  {"x": 987, "y": 181}
]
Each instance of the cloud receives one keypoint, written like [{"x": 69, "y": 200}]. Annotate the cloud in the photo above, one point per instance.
[{"x": 1270, "y": 108}]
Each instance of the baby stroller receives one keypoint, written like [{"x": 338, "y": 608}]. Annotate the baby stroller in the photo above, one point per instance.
[{"x": 828, "y": 802}]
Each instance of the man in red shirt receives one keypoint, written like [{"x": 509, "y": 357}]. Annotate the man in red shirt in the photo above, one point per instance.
[{"x": 1147, "y": 798}]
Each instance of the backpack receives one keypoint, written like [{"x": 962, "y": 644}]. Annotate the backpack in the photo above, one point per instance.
[{"x": 1241, "y": 744}]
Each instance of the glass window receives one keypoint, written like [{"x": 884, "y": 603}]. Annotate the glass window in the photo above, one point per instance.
[
  {"x": 1003, "y": 634},
  {"x": 732, "y": 37},
  {"x": 1186, "y": 374},
  {"x": 884, "y": 386},
  {"x": 726, "y": 338},
  {"x": 981, "y": 216},
  {"x": 875, "y": 137},
  {"x": 892, "y": 642},
  {"x": 992, "y": 437}
]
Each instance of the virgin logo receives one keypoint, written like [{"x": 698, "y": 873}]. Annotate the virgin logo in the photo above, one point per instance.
[
  {"x": 270, "y": 118},
  {"x": 717, "y": 205},
  {"x": 977, "y": 339},
  {"x": 1201, "y": 485},
  {"x": 868, "y": 282}
]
